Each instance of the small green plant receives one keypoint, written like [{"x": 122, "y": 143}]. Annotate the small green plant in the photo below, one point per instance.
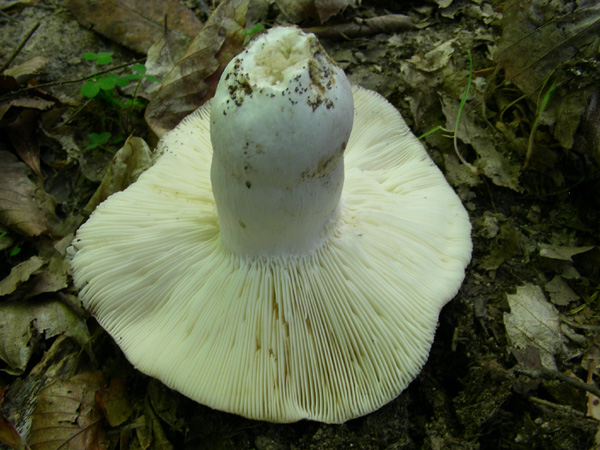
[
  {"x": 14, "y": 251},
  {"x": 454, "y": 135},
  {"x": 541, "y": 107},
  {"x": 104, "y": 86},
  {"x": 251, "y": 32}
]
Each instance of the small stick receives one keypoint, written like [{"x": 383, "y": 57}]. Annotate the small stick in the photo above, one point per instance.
[
  {"x": 19, "y": 48},
  {"x": 555, "y": 375}
]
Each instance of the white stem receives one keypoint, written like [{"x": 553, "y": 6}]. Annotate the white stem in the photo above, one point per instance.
[{"x": 280, "y": 121}]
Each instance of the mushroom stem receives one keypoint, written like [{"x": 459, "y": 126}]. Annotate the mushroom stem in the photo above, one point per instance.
[{"x": 280, "y": 121}]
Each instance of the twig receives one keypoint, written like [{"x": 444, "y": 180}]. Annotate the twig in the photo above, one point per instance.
[
  {"x": 19, "y": 48},
  {"x": 563, "y": 408},
  {"x": 18, "y": 92},
  {"x": 364, "y": 27},
  {"x": 559, "y": 376}
]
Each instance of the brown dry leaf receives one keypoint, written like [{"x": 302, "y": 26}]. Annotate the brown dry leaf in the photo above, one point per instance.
[
  {"x": 67, "y": 416},
  {"x": 28, "y": 68},
  {"x": 22, "y": 322},
  {"x": 24, "y": 205},
  {"x": 125, "y": 167},
  {"x": 134, "y": 23},
  {"x": 328, "y": 8},
  {"x": 115, "y": 402},
  {"x": 8, "y": 433},
  {"x": 20, "y": 273},
  {"x": 391, "y": 23},
  {"x": 299, "y": 10},
  {"x": 537, "y": 37},
  {"x": 194, "y": 78},
  {"x": 22, "y": 135}
]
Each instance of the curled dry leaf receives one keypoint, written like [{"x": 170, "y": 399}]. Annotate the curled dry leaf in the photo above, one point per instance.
[
  {"x": 537, "y": 38},
  {"x": 24, "y": 205},
  {"x": 391, "y": 23},
  {"x": 135, "y": 23},
  {"x": 21, "y": 322},
  {"x": 299, "y": 10},
  {"x": 125, "y": 167},
  {"x": 535, "y": 322},
  {"x": 194, "y": 78},
  {"x": 20, "y": 273},
  {"x": 67, "y": 416}
]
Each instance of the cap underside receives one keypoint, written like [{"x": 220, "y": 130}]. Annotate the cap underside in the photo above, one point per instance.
[{"x": 328, "y": 336}]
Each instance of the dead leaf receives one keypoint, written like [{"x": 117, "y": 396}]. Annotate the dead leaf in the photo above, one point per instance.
[
  {"x": 115, "y": 403},
  {"x": 328, "y": 8},
  {"x": 125, "y": 167},
  {"x": 194, "y": 78},
  {"x": 560, "y": 292},
  {"x": 537, "y": 37},
  {"x": 535, "y": 322},
  {"x": 8, "y": 434},
  {"x": 563, "y": 252},
  {"x": 297, "y": 10},
  {"x": 23, "y": 137},
  {"x": 21, "y": 323},
  {"x": 161, "y": 58},
  {"x": 27, "y": 68},
  {"x": 20, "y": 273},
  {"x": 24, "y": 205},
  {"x": 67, "y": 416},
  {"x": 391, "y": 23},
  {"x": 135, "y": 23}
]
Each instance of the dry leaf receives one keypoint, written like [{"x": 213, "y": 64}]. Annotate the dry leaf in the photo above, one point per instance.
[
  {"x": 535, "y": 322},
  {"x": 115, "y": 402},
  {"x": 328, "y": 8},
  {"x": 135, "y": 23},
  {"x": 24, "y": 205},
  {"x": 67, "y": 416},
  {"x": 8, "y": 433},
  {"x": 391, "y": 23},
  {"x": 538, "y": 36},
  {"x": 21, "y": 322},
  {"x": 194, "y": 78},
  {"x": 20, "y": 273},
  {"x": 563, "y": 252},
  {"x": 125, "y": 167},
  {"x": 23, "y": 137},
  {"x": 28, "y": 68}
]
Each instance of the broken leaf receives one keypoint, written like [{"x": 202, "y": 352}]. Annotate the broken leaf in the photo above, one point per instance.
[
  {"x": 20, "y": 273},
  {"x": 27, "y": 68},
  {"x": 115, "y": 402},
  {"x": 563, "y": 252},
  {"x": 135, "y": 23},
  {"x": 540, "y": 36},
  {"x": 125, "y": 167},
  {"x": 8, "y": 433},
  {"x": 560, "y": 292},
  {"x": 194, "y": 78},
  {"x": 535, "y": 322},
  {"x": 67, "y": 416},
  {"x": 21, "y": 322},
  {"x": 24, "y": 205}
]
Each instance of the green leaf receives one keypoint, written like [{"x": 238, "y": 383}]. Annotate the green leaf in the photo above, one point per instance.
[
  {"x": 104, "y": 58},
  {"x": 106, "y": 83},
  {"x": 90, "y": 89},
  {"x": 139, "y": 68},
  {"x": 122, "y": 81},
  {"x": 152, "y": 78},
  {"x": 89, "y": 56},
  {"x": 134, "y": 76},
  {"x": 98, "y": 140},
  {"x": 15, "y": 251}
]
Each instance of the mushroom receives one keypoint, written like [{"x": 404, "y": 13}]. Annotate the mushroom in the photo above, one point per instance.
[{"x": 288, "y": 254}]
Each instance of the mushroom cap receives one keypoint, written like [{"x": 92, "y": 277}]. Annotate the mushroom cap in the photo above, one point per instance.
[{"x": 328, "y": 336}]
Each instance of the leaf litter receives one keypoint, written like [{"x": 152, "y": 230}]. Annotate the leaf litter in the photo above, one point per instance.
[{"x": 532, "y": 228}]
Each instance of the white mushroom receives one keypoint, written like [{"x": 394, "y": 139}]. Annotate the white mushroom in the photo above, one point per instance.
[{"x": 285, "y": 296}]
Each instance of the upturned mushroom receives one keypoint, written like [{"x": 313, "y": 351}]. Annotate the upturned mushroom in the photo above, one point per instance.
[{"x": 288, "y": 254}]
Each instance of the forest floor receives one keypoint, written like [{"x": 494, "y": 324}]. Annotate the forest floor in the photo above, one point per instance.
[{"x": 517, "y": 352}]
